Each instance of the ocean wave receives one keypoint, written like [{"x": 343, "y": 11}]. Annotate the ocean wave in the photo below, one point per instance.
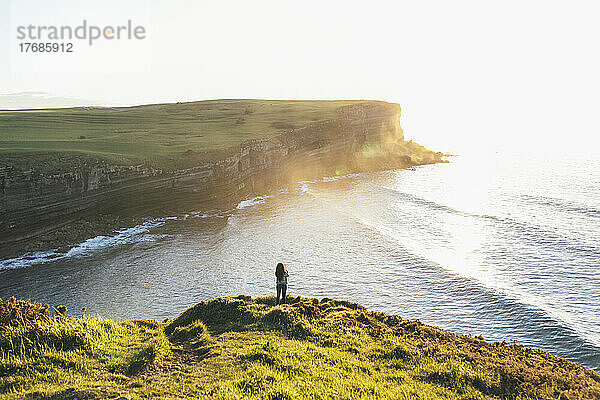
[
  {"x": 537, "y": 235},
  {"x": 203, "y": 214},
  {"x": 135, "y": 234},
  {"x": 442, "y": 207},
  {"x": 337, "y": 177},
  {"x": 39, "y": 257},
  {"x": 251, "y": 202},
  {"x": 508, "y": 295},
  {"x": 123, "y": 236},
  {"x": 563, "y": 205},
  {"x": 305, "y": 186}
]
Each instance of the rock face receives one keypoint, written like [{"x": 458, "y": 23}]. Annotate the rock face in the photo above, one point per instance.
[{"x": 364, "y": 136}]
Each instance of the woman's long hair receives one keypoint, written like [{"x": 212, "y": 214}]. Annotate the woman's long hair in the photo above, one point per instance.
[{"x": 279, "y": 271}]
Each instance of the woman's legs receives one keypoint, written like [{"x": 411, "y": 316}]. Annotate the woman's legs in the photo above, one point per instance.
[
  {"x": 278, "y": 294},
  {"x": 283, "y": 290}
]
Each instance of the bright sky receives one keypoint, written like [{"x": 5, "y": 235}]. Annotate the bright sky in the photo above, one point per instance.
[{"x": 468, "y": 74}]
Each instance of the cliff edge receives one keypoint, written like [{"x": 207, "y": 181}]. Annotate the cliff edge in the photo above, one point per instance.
[
  {"x": 242, "y": 347},
  {"x": 58, "y": 167}
]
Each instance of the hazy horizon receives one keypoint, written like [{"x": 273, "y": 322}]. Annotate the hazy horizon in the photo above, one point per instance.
[{"x": 468, "y": 75}]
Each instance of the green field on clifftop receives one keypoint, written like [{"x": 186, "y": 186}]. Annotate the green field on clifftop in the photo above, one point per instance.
[
  {"x": 158, "y": 134},
  {"x": 239, "y": 347}
]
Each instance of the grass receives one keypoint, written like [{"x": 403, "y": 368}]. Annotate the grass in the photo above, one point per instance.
[
  {"x": 239, "y": 347},
  {"x": 160, "y": 134},
  {"x": 52, "y": 352}
]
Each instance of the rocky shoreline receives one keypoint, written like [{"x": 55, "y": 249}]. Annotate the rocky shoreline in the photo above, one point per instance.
[
  {"x": 65, "y": 237},
  {"x": 51, "y": 201}
]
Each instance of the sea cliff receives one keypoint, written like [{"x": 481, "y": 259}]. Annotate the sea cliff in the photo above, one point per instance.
[{"x": 42, "y": 191}]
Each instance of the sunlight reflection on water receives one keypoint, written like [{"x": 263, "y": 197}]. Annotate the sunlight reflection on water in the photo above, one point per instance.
[{"x": 506, "y": 247}]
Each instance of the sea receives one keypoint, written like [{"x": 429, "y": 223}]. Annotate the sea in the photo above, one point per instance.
[{"x": 506, "y": 246}]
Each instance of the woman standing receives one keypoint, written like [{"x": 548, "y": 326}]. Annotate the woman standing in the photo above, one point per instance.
[{"x": 281, "y": 274}]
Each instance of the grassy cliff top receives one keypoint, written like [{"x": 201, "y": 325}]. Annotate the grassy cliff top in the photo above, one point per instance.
[
  {"x": 158, "y": 134},
  {"x": 239, "y": 347}
]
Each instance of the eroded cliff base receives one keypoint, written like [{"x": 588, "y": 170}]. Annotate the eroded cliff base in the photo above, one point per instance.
[
  {"x": 159, "y": 160},
  {"x": 63, "y": 233}
]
